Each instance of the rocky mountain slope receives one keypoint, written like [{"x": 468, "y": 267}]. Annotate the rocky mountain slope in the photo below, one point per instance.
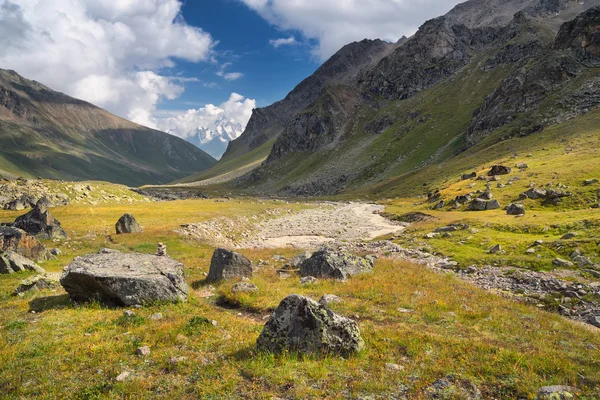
[
  {"x": 49, "y": 134},
  {"x": 487, "y": 71}
]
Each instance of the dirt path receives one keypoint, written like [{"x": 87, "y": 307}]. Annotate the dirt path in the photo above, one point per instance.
[{"x": 316, "y": 227}]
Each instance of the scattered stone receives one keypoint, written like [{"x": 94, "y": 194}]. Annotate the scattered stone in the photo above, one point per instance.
[
  {"x": 535, "y": 194},
  {"x": 307, "y": 280},
  {"x": 432, "y": 235},
  {"x": 515, "y": 209},
  {"x": 123, "y": 376},
  {"x": 569, "y": 235},
  {"x": 244, "y": 287},
  {"x": 465, "y": 177},
  {"x": 453, "y": 387},
  {"x": 558, "y": 392},
  {"x": 227, "y": 264},
  {"x": 127, "y": 224},
  {"x": 327, "y": 263},
  {"x": 38, "y": 282},
  {"x": 559, "y": 262},
  {"x": 156, "y": 317},
  {"x": 439, "y": 205},
  {"x": 143, "y": 351},
  {"x": 522, "y": 166},
  {"x": 283, "y": 275},
  {"x": 405, "y": 310},
  {"x": 589, "y": 182},
  {"x": 394, "y": 367},
  {"x": 122, "y": 279},
  {"x": 162, "y": 250},
  {"x": 177, "y": 360},
  {"x": 538, "y": 242},
  {"x": 22, "y": 243},
  {"x": 301, "y": 324},
  {"x": 55, "y": 252},
  {"x": 499, "y": 170},
  {"x": 129, "y": 314},
  {"x": 328, "y": 299},
  {"x": 496, "y": 249},
  {"x": 530, "y": 250},
  {"x": 40, "y": 223},
  {"x": 14, "y": 262},
  {"x": 595, "y": 320}
]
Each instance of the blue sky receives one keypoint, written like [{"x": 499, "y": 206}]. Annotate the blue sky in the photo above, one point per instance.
[{"x": 195, "y": 69}]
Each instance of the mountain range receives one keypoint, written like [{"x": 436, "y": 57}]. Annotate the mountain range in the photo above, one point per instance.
[
  {"x": 48, "y": 134},
  {"x": 379, "y": 115},
  {"x": 215, "y": 139}
]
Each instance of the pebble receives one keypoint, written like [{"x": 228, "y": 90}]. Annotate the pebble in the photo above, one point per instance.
[{"x": 143, "y": 351}]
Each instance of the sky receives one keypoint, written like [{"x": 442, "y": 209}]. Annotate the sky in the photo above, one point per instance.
[{"x": 179, "y": 65}]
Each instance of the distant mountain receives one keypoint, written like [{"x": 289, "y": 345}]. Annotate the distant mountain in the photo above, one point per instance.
[
  {"x": 215, "y": 139},
  {"x": 487, "y": 72},
  {"x": 49, "y": 134}
]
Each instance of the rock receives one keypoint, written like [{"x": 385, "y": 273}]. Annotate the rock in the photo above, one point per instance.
[
  {"x": 162, "y": 250},
  {"x": 472, "y": 175},
  {"x": 439, "y": 205},
  {"x": 129, "y": 313},
  {"x": 478, "y": 205},
  {"x": 40, "y": 223},
  {"x": 432, "y": 235},
  {"x": 297, "y": 260},
  {"x": 453, "y": 387},
  {"x": 124, "y": 279},
  {"x": 244, "y": 287},
  {"x": 394, "y": 367},
  {"x": 515, "y": 209},
  {"x": 227, "y": 264},
  {"x": 38, "y": 282},
  {"x": 486, "y": 195},
  {"x": 595, "y": 320},
  {"x": 127, "y": 224},
  {"x": 18, "y": 263},
  {"x": 558, "y": 392},
  {"x": 559, "y": 262},
  {"x": 530, "y": 251},
  {"x": 55, "y": 252},
  {"x": 589, "y": 182},
  {"x": 123, "y": 376},
  {"x": 20, "y": 242},
  {"x": 582, "y": 261},
  {"x": 328, "y": 299},
  {"x": 303, "y": 325},
  {"x": 535, "y": 194},
  {"x": 156, "y": 317},
  {"x": 306, "y": 280},
  {"x": 522, "y": 166},
  {"x": 16, "y": 205},
  {"x": 496, "y": 249},
  {"x": 499, "y": 170},
  {"x": 492, "y": 205},
  {"x": 143, "y": 351},
  {"x": 568, "y": 236},
  {"x": 327, "y": 263},
  {"x": 177, "y": 360}
]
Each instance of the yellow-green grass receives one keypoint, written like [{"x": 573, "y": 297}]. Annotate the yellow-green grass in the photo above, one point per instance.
[{"x": 76, "y": 351}]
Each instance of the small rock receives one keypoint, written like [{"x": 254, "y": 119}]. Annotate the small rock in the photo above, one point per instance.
[
  {"x": 515, "y": 209},
  {"x": 177, "y": 360},
  {"x": 394, "y": 367},
  {"x": 244, "y": 287},
  {"x": 588, "y": 182},
  {"x": 156, "y": 317},
  {"x": 162, "y": 250},
  {"x": 328, "y": 299},
  {"x": 558, "y": 392},
  {"x": 595, "y": 320},
  {"x": 530, "y": 250},
  {"x": 559, "y": 262},
  {"x": 129, "y": 313},
  {"x": 127, "y": 224},
  {"x": 305, "y": 280},
  {"x": 143, "y": 351},
  {"x": 568, "y": 236},
  {"x": 496, "y": 249},
  {"x": 123, "y": 376},
  {"x": 499, "y": 170},
  {"x": 55, "y": 252}
]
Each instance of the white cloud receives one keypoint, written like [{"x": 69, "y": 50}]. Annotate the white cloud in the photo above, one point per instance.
[
  {"x": 186, "y": 124},
  {"x": 228, "y": 76},
  {"x": 335, "y": 23},
  {"x": 103, "y": 51},
  {"x": 283, "y": 42}
]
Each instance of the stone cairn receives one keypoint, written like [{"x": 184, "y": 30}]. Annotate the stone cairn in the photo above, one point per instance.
[{"x": 162, "y": 250}]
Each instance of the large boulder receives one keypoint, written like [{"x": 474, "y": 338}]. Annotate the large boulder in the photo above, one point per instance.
[
  {"x": 227, "y": 264},
  {"x": 127, "y": 224},
  {"x": 20, "y": 242},
  {"x": 40, "y": 223},
  {"x": 484, "y": 205},
  {"x": 327, "y": 263},
  {"x": 515, "y": 209},
  {"x": 303, "y": 325},
  {"x": 13, "y": 262},
  {"x": 123, "y": 279},
  {"x": 499, "y": 170}
]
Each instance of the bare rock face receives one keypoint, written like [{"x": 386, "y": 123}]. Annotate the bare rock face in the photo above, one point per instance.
[
  {"x": 20, "y": 242},
  {"x": 127, "y": 224},
  {"x": 327, "y": 263},
  {"x": 303, "y": 325},
  {"x": 227, "y": 264},
  {"x": 40, "y": 223},
  {"x": 582, "y": 36},
  {"x": 122, "y": 279}
]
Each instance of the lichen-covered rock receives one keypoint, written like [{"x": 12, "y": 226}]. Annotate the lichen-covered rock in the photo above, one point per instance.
[
  {"x": 38, "y": 282},
  {"x": 127, "y": 224},
  {"x": 14, "y": 262},
  {"x": 20, "y": 242},
  {"x": 227, "y": 264},
  {"x": 123, "y": 279},
  {"x": 303, "y": 325},
  {"x": 327, "y": 263},
  {"x": 40, "y": 223},
  {"x": 557, "y": 392},
  {"x": 515, "y": 209}
]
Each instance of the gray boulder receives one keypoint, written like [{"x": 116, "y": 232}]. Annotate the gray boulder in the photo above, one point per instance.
[
  {"x": 14, "y": 262},
  {"x": 123, "y": 279},
  {"x": 499, "y": 170},
  {"x": 300, "y": 324},
  {"x": 484, "y": 205},
  {"x": 38, "y": 282},
  {"x": 327, "y": 263},
  {"x": 227, "y": 264},
  {"x": 20, "y": 242},
  {"x": 40, "y": 223},
  {"x": 472, "y": 175},
  {"x": 127, "y": 224},
  {"x": 515, "y": 209}
]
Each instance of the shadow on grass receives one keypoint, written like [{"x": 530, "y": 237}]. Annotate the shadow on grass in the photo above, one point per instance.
[{"x": 42, "y": 304}]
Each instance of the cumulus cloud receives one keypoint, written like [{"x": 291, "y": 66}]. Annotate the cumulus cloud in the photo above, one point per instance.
[
  {"x": 335, "y": 23},
  {"x": 228, "y": 76},
  {"x": 206, "y": 120},
  {"x": 283, "y": 42},
  {"x": 103, "y": 51}
]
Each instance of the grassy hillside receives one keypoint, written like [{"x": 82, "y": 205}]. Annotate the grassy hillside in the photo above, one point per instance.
[
  {"x": 48, "y": 134},
  {"x": 506, "y": 349}
]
